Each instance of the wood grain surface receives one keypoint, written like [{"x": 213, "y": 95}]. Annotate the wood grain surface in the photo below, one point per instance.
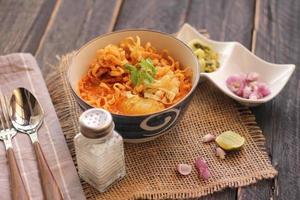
[
  {"x": 162, "y": 15},
  {"x": 225, "y": 20},
  {"x": 52, "y": 28},
  {"x": 50, "y": 187},
  {"x": 278, "y": 41},
  {"x": 17, "y": 184},
  {"x": 72, "y": 25},
  {"x": 23, "y": 24}
]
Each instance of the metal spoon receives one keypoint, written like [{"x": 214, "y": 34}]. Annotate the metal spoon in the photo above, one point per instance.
[{"x": 27, "y": 116}]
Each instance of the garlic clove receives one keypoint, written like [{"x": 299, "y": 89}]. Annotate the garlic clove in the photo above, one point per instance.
[
  {"x": 220, "y": 153},
  {"x": 184, "y": 169},
  {"x": 208, "y": 138}
]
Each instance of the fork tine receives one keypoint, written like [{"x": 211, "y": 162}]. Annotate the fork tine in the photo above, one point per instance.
[
  {"x": 1, "y": 119},
  {"x": 5, "y": 119},
  {"x": 1, "y": 116}
]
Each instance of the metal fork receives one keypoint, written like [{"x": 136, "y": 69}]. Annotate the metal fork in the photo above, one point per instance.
[{"x": 7, "y": 132}]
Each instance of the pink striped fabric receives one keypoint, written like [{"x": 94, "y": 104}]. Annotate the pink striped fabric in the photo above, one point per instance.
[{"x": 21, "y": 70}]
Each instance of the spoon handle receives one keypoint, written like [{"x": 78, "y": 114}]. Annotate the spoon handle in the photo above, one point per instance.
[
  {"x": 50, "y": 187},
  {"x": 17, "y": 185}
]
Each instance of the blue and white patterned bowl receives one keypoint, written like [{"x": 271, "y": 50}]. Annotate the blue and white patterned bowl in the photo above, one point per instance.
[{"x": 140, "y": 128}]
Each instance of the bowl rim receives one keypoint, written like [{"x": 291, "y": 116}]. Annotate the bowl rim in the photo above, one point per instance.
[{"x": 194, "y": 86}]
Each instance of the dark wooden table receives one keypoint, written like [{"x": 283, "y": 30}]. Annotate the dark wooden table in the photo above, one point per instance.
[{"x": 271, "y": 28}]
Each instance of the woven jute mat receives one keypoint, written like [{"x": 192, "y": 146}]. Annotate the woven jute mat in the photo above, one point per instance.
[{"x": 151, "y": 166}]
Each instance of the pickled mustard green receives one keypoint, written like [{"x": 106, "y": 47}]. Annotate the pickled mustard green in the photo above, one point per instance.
[
  {"x": 230, "y": 141},
  {"x": 207, "y": 58}
]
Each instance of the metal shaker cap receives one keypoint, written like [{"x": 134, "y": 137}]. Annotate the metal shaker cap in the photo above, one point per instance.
[{"x": 95, "y": 123}]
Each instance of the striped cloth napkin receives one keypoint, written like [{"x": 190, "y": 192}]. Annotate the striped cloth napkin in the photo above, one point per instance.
[{"x": 21, "y": 70}]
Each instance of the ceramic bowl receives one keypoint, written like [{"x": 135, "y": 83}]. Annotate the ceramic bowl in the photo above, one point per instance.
[
  {"x": 139, "y": 128},
  {"x": 234, "y": 58}
]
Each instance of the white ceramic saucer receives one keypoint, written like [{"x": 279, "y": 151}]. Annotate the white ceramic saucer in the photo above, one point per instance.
[{"x": 234, "y": 58}]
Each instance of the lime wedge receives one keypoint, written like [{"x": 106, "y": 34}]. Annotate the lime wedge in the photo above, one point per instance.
[{"x": 230, "y": 141}]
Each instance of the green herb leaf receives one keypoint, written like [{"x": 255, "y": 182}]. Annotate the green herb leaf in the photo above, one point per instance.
[
  {"x": 148, "y": 66},
  {"x": 148, "y": 78},
  {"x": 134, "y": 76},
  {"x": 143, "y": 72}
]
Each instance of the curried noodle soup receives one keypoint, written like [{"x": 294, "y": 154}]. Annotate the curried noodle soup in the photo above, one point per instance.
[{"x": 134, "y": 79}]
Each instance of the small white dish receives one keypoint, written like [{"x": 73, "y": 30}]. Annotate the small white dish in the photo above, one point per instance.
[{"x": 234, "y": 58}]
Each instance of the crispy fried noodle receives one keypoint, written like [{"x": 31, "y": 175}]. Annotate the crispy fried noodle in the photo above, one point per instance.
[{"x": 133, "y": 79}]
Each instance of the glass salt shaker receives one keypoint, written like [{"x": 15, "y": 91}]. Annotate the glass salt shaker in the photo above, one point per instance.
[{"x": 99, "y": 149}]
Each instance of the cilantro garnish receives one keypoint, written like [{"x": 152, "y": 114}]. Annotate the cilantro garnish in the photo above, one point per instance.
[{"x": 143, "y": 72}]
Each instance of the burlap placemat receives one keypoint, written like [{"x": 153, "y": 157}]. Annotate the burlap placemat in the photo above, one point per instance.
[{"x": 151, "y": 166}]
